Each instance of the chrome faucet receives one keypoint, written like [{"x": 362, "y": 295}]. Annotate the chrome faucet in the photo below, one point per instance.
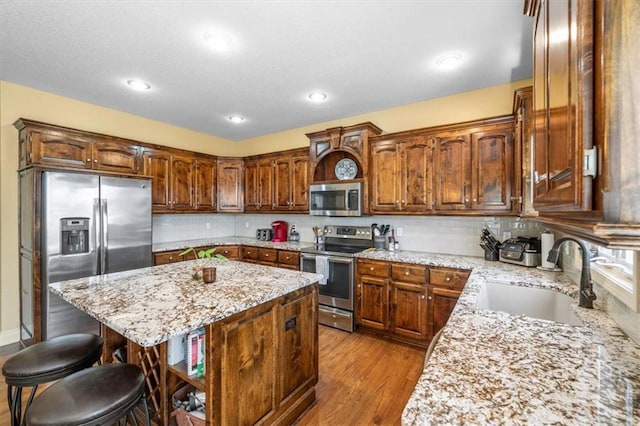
[{"x": 587, "y": 296}]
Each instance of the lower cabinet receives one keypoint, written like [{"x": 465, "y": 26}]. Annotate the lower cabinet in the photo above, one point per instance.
[
  {"x": 403, "y": 302},
  {"x": 265, "y": 256}
]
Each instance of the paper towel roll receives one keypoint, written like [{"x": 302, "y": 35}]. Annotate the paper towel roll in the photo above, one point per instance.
[{"x": 548, "y": 239}]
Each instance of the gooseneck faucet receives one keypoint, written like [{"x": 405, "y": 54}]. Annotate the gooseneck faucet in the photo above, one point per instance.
[{"x": 587, "y": 296}]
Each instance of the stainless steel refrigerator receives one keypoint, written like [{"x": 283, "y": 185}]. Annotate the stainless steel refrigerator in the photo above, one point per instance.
[{"x": 91, "y": 225}]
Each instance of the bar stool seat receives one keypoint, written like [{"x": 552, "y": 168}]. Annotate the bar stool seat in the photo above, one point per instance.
[
  {"x": 47, "y": 361},
  {"x": 94, "y": 396}
]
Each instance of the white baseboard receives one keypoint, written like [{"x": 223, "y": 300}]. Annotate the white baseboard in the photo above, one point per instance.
[{"x": 9, "y": 336}]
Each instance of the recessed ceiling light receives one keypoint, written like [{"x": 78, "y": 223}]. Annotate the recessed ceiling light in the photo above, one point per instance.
[
  {"x": 218, "y": 41},
  {"x": 317, "y": 97},
  {"x": 448, "y": 61},
  {"x": 236, "y": 118},
  {"x": 139, "y": 85}
]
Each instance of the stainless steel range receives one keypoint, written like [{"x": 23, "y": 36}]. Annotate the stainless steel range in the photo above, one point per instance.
[{"x": 336, "y": 261}]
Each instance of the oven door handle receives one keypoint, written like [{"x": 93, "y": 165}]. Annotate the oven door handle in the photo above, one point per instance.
[{"x": 335, "y": 259}]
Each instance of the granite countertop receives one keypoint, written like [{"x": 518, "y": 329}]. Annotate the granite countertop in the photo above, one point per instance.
[
  {"x": 228, "y": 241},
  {"x": 495, "y": 368},
  {"x": 151, "y": 305}
]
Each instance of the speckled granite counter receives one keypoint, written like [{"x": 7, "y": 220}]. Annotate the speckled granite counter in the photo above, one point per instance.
[
  {"x": 151, "y": 305},
  {"x": 228, "y": 241},
  {"x": 495, "y": 368}
]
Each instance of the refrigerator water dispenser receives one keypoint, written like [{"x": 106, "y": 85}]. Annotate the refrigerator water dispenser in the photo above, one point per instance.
[{"x": 75, "y": 235}]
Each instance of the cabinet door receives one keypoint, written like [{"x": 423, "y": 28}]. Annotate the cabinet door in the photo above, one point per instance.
[
  {"x": 452, "y": 171},
  {"x": 60, "y": 150},
  {"x": 230, "y": 182},
  {"x": 417, "y": 183},
  {"x": 385, "y": 181},
  {"x": 251, "y": 186},
  {"x": 282, "y": 198},
  {"x": 157, "y": 164},
  {"x": 372, "y": 299},
  {"x": 205, "y": 185},
  {"x": 265, "y": 185},
  {"x": 115, "y": 156},
  {"x": 409, "y": 310},
  {"x": 564, "y": 33},
  {"x": 230, "y": 252},
  {"x": 182, "y": 183},
  {"x": 299, "y": 183},
  {"x": 165, "y": 257},
  {"x": 442, "y": 302},
  {"x": 492, "y": 169}
]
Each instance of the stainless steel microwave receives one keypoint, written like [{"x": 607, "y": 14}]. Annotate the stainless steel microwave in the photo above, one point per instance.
[{"x": 335, "y": 199}]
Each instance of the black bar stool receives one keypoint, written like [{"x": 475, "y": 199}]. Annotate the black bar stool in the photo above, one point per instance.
[
  {"x": 95, "y": 396},
  {"x": 45, "y": 362}
]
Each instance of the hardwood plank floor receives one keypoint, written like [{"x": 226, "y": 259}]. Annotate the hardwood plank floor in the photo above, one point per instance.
[{"x": 363, "y": 380}]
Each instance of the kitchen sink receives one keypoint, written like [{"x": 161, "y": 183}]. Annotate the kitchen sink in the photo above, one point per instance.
[{"x": 528, "y": 301}]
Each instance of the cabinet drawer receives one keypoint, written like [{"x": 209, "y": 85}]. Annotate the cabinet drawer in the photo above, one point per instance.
[
  {"x": 289, "y": 258},
  {"x": 249, "y": 253},
  {"x": 373, "y": 268},
  {"x": 267, "y": 255},
  {"x": 444, "y": 277},
  {"x": 409, "y": 273},
  {"x": 230, "y": 252},
  {"x": 165, "y": 257}
]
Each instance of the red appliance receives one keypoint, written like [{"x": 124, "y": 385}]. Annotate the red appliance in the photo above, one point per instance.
[{"x": 279, "y": 231}]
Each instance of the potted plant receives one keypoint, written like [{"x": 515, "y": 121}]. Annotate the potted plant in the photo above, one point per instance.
[{"x": 208, "y": 273}]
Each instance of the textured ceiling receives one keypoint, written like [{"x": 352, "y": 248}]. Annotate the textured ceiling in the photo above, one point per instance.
[{"x": 366, "y": 55}]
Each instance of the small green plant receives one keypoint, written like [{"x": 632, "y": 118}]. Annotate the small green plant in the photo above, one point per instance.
[{"x": 203, "y": 254}]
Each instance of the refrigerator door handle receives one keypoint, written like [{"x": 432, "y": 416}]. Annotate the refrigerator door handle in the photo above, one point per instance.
[
  {"x": 97, "y": 239},
  {"x": 105, "y": 244}
]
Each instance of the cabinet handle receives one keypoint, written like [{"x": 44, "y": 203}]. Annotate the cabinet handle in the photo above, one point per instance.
[{"x": 447, "y": 279}]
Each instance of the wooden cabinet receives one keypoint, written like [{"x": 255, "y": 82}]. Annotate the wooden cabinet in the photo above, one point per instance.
[
  {"x": 172, "y": 256},
  {"x": 230, "y": 185},
  {"x": 405, "y": 302},
  {"x": 268, "y": 256},
  {"x": 474, "y": 168},
  {"x": 289, "y": 259},
  {"x": 230, "y": 252},
  {"x": 165, "y": 257},
  {"x": 258, "y": 184},
  {"x": 249, "y": 254},
  {"x": 173, "y": 180},
  {"x": 445, "y": 286},
  {"x": 54, "y": 146},
  {"x": 291, "y": 188},
  {"x": 563, "y": 81},
  {"x": 206, "y": 176},
  {"x": 401, "y": 179}
]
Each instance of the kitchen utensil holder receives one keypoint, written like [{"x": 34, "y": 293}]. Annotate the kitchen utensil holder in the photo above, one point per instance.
[{"x": 379, "y": 242}]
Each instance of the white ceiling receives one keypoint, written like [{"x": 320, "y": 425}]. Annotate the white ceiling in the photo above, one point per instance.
[{"x": 366, "y": 55}]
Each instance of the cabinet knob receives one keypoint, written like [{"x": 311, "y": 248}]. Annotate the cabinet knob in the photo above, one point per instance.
[
  {"x": 404, "y": 202},
  {"x": 447, "y": 279},
  {"x": 266, "y": 255},
  {"x": 475, "y": 200},
  {"x": 358, "y": 285},
  {"x": 371, "y": 268},
  {"x": 406, "y": 272},
  {"x": 88, "y": 160},
  {"x": 423, "y": 296},
  {"x": 95, "y": 161},
  {"x": 287, "y": 258},
  {"x": 430, "y": 297},
  {"x": 170, "y": 257},
  {"x": 466, "y": 200}
]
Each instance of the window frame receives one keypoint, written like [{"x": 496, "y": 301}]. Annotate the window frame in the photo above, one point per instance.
[{"x": 621, "y": 281}]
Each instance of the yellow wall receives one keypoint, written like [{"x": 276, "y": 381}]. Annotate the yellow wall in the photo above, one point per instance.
[
  {"x": 481, "y": 103},
  {"x": 19, "y": 101}
]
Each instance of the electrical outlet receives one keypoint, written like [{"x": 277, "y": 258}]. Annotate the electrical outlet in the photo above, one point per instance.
[
  {"x": 399, "y": 231},
  {"x": 207, "y": 225},
  {"x": 246, "y": 224}
]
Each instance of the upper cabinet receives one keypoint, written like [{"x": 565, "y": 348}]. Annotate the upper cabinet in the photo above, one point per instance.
[
  {"x": 401, "y": 174},
  {"x": 564, "y": 166},
  {"x": 230, "y": 185},
  {"x": 465, "y": 168},
  {"x": 59, "y": 147},
  {"x": 205, "y": 184},
  {"x": 277, "y": 182},
  {"x": 329, "y": 146}
]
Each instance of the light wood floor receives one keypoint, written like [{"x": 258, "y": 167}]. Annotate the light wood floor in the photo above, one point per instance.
[{"x": 363, "y": 380}]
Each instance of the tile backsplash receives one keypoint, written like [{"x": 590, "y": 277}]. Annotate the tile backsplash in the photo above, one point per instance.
[{"x": 449, "y": 235}]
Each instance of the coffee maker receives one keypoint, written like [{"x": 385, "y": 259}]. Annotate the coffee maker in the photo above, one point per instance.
[{"x": 279, "y": 231}]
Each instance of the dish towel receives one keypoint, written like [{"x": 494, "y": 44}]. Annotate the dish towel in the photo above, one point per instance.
[{"x": 322, "y": 268}]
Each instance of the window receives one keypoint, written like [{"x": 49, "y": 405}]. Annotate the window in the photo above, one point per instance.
[{"x": 617, "y": 272}]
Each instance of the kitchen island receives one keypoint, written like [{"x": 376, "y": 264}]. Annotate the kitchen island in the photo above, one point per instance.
[{"x": 261, "y": 334}]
